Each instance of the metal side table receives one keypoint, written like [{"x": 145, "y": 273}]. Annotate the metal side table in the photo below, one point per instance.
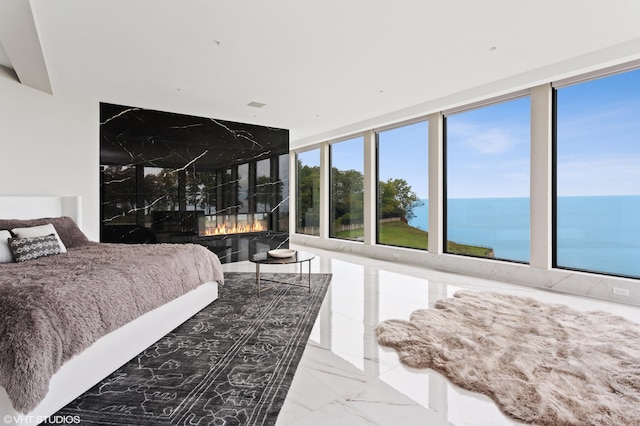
[{"x": 299, "y": 257}]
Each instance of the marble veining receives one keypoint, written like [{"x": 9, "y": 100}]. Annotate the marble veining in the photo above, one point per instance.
[{"x": 164, "y": 176}]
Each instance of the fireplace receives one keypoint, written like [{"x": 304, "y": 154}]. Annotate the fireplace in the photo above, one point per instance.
[{"x": 230, "y": 224}]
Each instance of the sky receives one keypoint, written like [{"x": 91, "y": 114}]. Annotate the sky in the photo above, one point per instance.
[
  {"x": 488, "y": 149},
  {"x": 599, "y": 137}
]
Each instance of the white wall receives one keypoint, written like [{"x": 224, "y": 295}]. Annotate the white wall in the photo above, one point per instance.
[{"x": 49, "y": 145}]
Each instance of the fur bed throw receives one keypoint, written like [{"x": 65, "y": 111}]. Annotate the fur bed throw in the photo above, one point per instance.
[
  {"x": 54, "y": 307},
  {"x": 542, "y": 363}
]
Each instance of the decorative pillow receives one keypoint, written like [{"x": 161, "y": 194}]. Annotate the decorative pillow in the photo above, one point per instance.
[
  {"x": 39, "y": 231},
  {"x": 66, "y": 228},
  {"x": 30, "y": 248},
  {"x": 5, "y": 253}
]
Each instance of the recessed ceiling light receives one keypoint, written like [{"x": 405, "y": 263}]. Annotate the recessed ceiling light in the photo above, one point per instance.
[{"x": 256, "y": 104}]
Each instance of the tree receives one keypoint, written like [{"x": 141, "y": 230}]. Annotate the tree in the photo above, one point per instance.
[
  {"x": 161, "y": 191},
  {"x": 348, "y": 196},
  {"x": 268, "y": 191},
  {"x": 200, "y": 190},
  {"x": 397, "y": 199},
  {"x": 119, "y": 186},
  {"x": 308, "y": 195}
]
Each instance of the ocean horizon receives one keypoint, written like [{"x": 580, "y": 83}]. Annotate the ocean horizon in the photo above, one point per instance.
[{"x": 595, "y": 233}]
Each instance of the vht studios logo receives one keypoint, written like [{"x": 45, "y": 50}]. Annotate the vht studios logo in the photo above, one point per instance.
[{"x": 27, "y": 420}]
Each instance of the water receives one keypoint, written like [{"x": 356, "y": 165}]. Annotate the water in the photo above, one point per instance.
[{"x": 599, "y": 233}]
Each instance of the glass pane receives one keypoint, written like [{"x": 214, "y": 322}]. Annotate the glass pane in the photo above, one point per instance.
[
  {"x": 347, "y": 189},
  {"x": 119, "y": 195},
  {"x": 403, "y": 187},
  {"x": 160, "y": 194},
  {"x": 243, "y": 188},
  {"x": 598, "y": 178},
  {"x": 308, "y": 193},
  {"x": 201, "y": 191},
  {"x": 487, "y": 178},
  {"x": 264, "y": 186},
  {"x": 283, "y": 203},
  {"x": 229, "y": 189}
]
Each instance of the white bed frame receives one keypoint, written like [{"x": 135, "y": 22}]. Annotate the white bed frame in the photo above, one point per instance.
[{"x": 111, "y": 351}]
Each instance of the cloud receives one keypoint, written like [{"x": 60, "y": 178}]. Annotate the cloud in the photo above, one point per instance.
[
  {"x": 580, "y": 124},
  {"x": 612, "y": 175},
  {"x": 485, "y": 140}
]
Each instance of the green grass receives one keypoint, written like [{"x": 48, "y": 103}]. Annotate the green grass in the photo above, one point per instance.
[
  {"x": 354, "y": 234},
  {"x": 478, "y": 251},
  {"x": 402, "y": 235}
]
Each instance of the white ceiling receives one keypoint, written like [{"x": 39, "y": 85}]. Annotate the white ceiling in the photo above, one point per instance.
[{"x": 322, "y": 68}]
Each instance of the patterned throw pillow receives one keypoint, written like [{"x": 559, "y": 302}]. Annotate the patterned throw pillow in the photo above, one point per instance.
[
  {"x": 23, "y": 249},
  {"x": 39, "y": 231}
]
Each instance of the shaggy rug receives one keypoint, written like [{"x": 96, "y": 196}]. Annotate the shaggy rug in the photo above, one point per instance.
[
  {"x": 230, "y": 364},
  {"x": 542, "y": 363}
]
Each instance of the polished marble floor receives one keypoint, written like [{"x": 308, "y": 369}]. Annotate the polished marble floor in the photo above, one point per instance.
[{"x": 345, "y": 378}]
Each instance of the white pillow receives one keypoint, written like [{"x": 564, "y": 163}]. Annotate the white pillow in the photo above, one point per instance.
[
  {"x": 39, "y": 231},
  {"x": 5, "y": 254}
]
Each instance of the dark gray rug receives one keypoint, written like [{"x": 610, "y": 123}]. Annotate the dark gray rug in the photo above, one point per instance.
[{"x": 230, "y": 364}]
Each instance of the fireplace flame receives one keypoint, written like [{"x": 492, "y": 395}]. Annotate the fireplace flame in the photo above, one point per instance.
[{"x": 228, "y": 228}]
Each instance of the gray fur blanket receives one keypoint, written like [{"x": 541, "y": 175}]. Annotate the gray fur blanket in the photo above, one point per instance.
[{"x": 55, "y": 307}]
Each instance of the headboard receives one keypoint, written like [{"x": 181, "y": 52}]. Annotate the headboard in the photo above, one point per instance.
[{"x": 34, "y": 207}]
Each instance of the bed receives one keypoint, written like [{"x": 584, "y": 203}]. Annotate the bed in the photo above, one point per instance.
[{"x": 123, "y": 334}]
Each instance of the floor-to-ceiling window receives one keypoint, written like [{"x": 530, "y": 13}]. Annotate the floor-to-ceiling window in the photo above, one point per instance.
[
  {"x": 347, "y": 189},
  {"x": 598, "y": 175},
  {"x": 487, "y": 181},
  {"x": 403, "y": 186},
  {"x": 308, "y": 192}
]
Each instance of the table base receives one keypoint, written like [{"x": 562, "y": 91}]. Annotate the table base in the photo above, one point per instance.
[{"x": 259, "y": 280}]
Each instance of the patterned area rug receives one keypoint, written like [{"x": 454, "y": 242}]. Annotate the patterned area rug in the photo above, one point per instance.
[
  {"x": 230, "y": 364},
  {"x": 542, "y": 363}
]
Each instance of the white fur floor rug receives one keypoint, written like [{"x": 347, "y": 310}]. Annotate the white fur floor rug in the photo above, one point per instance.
[{"x": 542, "y": 363}]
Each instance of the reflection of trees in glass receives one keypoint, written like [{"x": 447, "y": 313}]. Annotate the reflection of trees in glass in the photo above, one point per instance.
[
  {"x": 119, "y": 189},
  {"x": 266, "y": 190},
  {"x": 283, "y": 203},
  {"x": 263, "y": 194},
  {"x": 243, "y": 188},
  {"x": 308, "y": 200},
  {"x": 200, "y": 191},
  {"x": 398, "y": 200},
  {"x": 229, "y": 192},
  {"x": 160, "y": 189}
]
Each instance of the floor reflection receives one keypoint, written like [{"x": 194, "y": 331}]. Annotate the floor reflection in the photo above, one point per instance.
[{"x": 346, "y": 378}]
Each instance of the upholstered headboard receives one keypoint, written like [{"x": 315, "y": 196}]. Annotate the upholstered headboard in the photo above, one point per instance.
[{"x": 34, "y": 207}]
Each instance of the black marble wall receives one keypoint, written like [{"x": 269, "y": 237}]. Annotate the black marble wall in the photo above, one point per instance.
[{"x": 169, "y": 177}]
